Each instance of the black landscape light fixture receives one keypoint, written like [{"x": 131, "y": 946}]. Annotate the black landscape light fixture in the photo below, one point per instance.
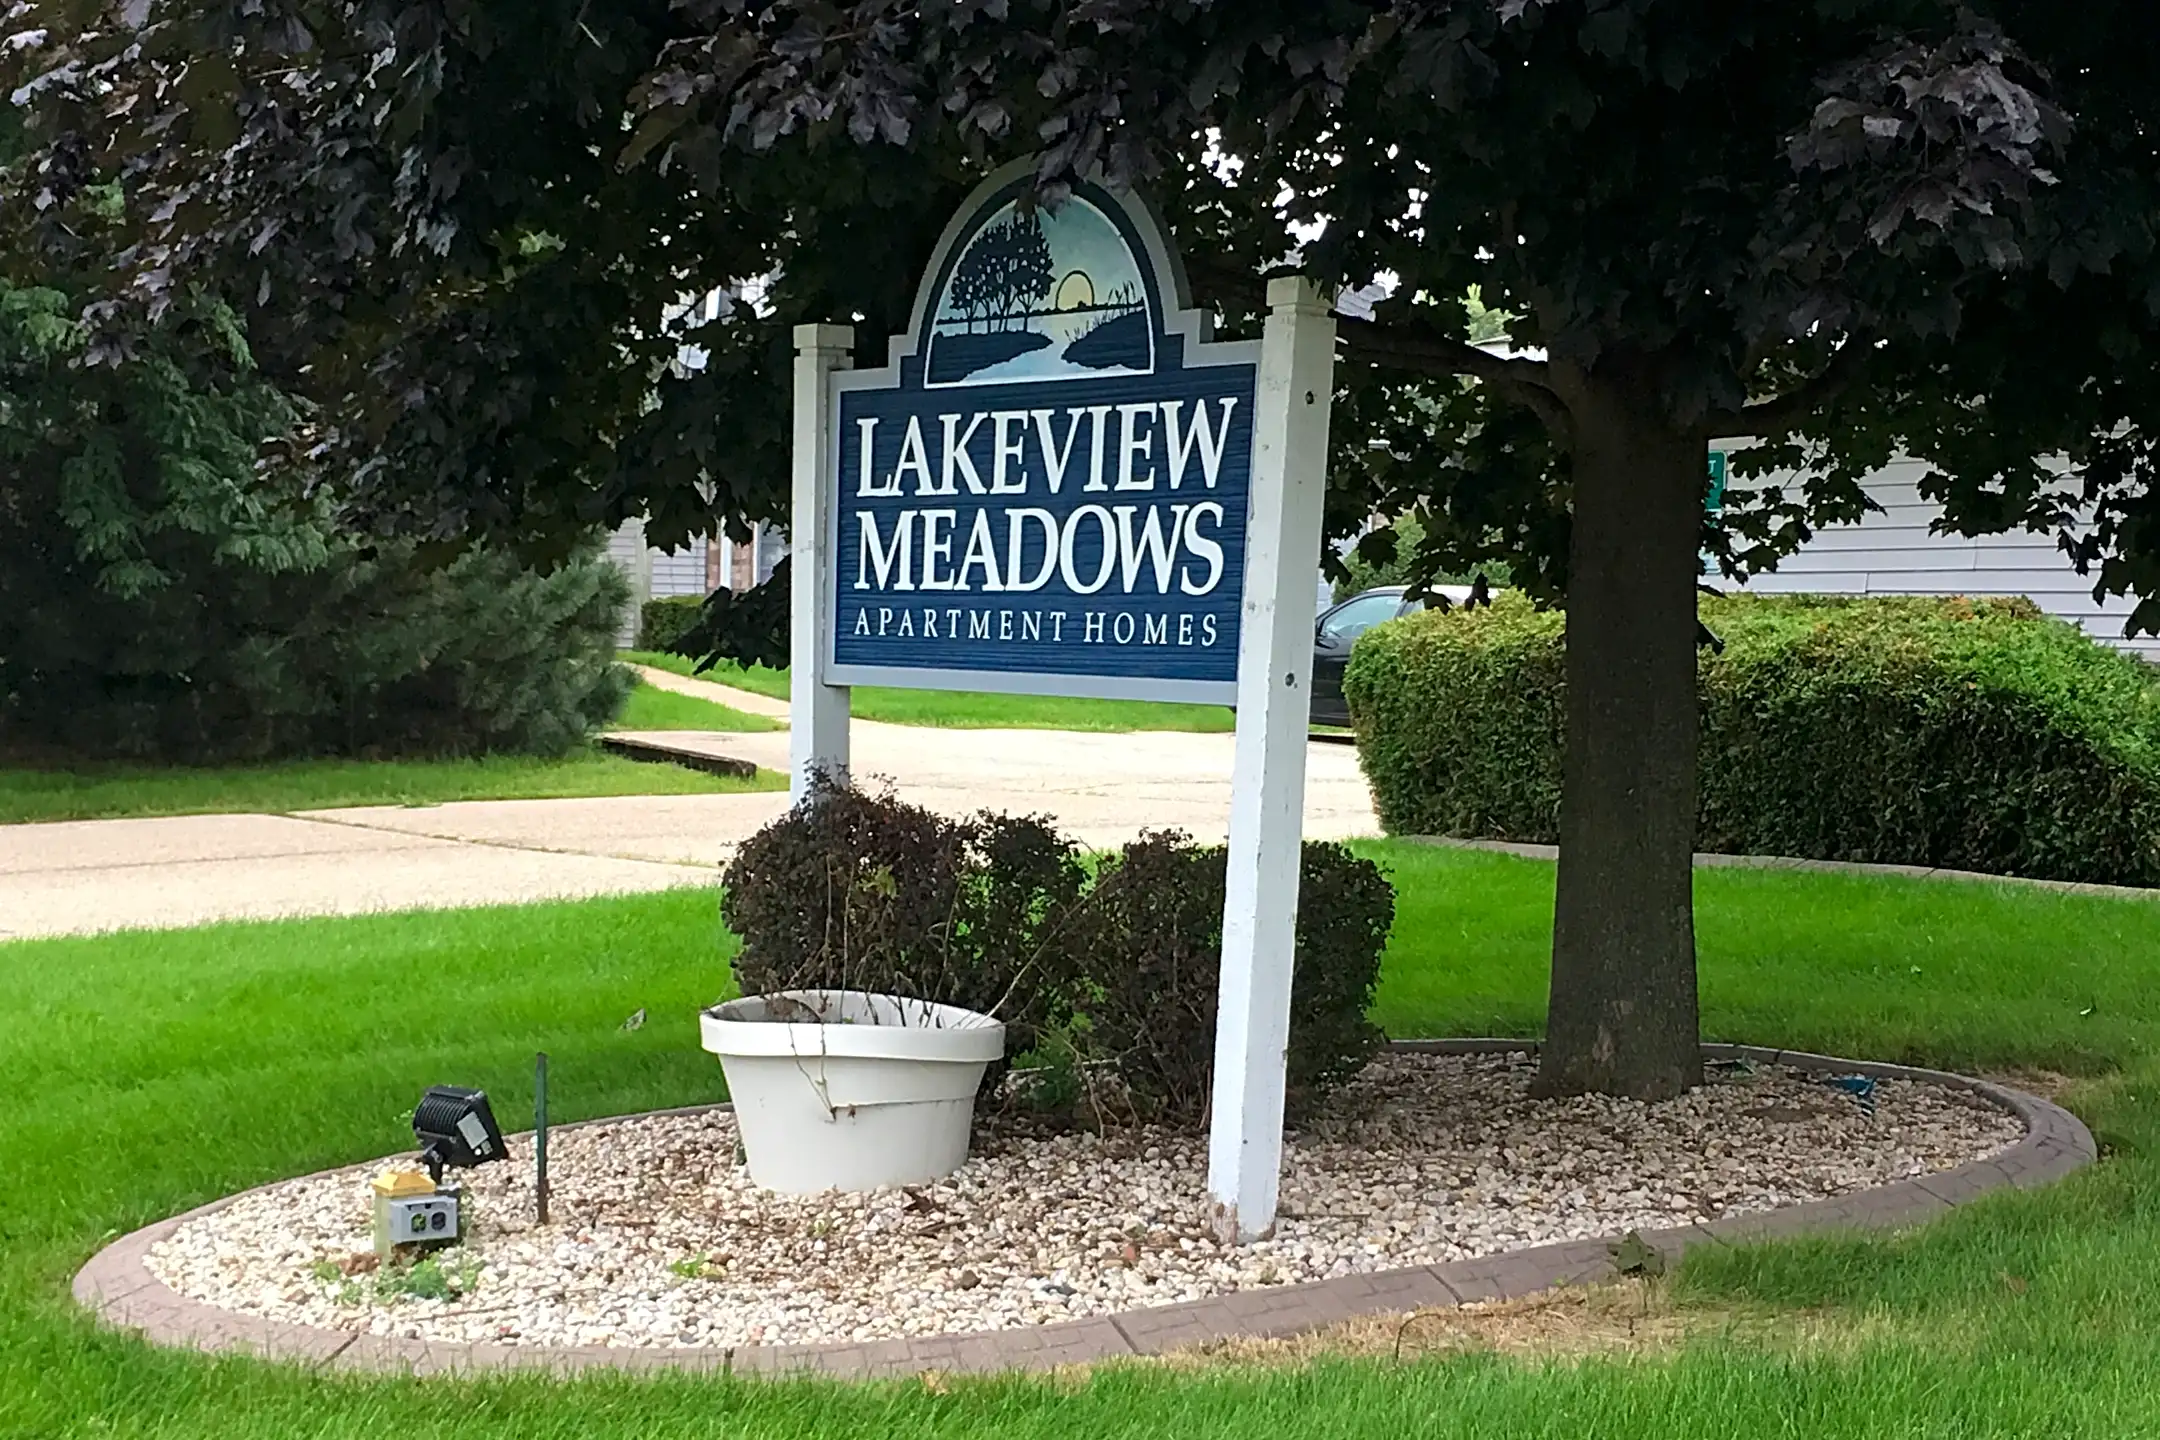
[{"x": 456, "y": 1128}]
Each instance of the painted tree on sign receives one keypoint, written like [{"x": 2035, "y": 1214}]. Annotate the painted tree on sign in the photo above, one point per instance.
[
  {"x": 1024, "y": 271},
  {"x": 974, "y": 287},
  {"x": 1846, "y": 228},
  {"x": 1005, "y": 271}
]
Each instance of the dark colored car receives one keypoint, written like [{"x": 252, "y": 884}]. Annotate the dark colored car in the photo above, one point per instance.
[{"x": 1337, "y": 630}]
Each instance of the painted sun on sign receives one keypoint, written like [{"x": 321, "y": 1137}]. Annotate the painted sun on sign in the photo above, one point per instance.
[{"x": 1037, "y": 294}]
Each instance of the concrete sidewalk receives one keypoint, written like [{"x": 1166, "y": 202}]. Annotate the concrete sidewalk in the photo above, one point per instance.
[
  {"x": 1102, "y": 787},
  {"x": 747, "y": 701},
  {"x": 82, "y": 876}
]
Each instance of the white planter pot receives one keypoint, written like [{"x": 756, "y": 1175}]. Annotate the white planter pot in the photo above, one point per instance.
[{"x": 881, "y": 1093}]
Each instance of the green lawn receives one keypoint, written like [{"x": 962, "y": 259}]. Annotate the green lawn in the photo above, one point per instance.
[
  {"x": 964, "y": 709},
  {"x": 650, "y": 708},
  {"x": 99, "y": 792},
  {"x": 148, "y": 1073}
]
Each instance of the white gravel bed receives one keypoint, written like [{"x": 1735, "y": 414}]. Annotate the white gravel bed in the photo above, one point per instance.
[{"x": 658, "y": 1238}]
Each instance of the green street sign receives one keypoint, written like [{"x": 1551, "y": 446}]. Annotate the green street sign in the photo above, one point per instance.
[{"x": 1713, "y": 504}]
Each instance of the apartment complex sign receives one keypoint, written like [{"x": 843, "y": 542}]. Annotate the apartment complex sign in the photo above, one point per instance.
[
  {"x": 1046, "y": 490},
  {"x": 1058, "y": 485}
]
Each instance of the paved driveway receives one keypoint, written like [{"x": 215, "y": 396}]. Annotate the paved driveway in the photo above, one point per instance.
[{"x": 83, "y": 876}]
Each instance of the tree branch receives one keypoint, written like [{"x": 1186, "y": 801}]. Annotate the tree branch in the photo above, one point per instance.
[
  {"x": 1773, "y": 417},
  {"x": 1413, "y": 348}
]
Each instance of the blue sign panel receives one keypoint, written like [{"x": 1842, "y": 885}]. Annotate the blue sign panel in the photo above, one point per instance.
[{"x": 1045, "y": 492}]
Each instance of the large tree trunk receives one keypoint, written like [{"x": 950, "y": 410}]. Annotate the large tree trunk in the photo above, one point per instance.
[{"x": 1622, "y": 1017}]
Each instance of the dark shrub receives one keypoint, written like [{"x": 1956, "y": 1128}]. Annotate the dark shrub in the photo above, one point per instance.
[
  {"x": 1154, "y": 948},
  {"x": 1020, "y": 889},
  {"x": 485, "y": 656},
  {"x": 359, "y": 655},
  {"x": 1970, "y": 734},
  {"x": 858, "y": 891},
  {"x": 1000, "y": 915},
  {"x": 1346, "y": 910},
  {"x": 665, "y": 620},
  {"x": 1154, "y": 962}
]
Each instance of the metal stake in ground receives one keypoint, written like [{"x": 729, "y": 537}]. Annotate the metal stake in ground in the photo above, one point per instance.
[
  {"x": 540, "y": 1183},
  {"x": 1267, "y": 788}
]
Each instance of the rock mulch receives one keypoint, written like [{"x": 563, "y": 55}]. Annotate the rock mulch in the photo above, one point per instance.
[{"x": 659, "y": 1238}]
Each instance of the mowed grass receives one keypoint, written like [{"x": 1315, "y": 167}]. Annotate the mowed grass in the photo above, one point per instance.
[
  {"x": 651, "y": 708},
  {"x": 100, "y": 791},
  {"x": 148, "y": 1073},
  {"x": 965, "y": 709}
]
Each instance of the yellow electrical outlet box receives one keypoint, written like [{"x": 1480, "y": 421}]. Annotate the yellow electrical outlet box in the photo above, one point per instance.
[{"x": 400, "y": 1184}]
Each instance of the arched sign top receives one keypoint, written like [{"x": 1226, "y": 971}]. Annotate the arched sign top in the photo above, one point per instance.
[
  {"x": 1045, "y": 489},
  {"x": 1032, "y": 293}
]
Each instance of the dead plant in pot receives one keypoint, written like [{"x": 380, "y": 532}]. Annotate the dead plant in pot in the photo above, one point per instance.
[{"x": 891, "y": 960}]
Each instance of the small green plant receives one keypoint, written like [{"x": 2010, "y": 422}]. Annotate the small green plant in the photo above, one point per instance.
[
  {"x": 422, "y": 1280},
  {"x": 432, "y": 1277},
  {"x": 690, "y": 1267},
  {"x": 326, "y": 1271},
  {"x": 464, "y": 1270},
  {"x": 1050, "y": 1076}
]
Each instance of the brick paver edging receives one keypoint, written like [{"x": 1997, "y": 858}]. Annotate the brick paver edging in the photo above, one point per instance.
[{"x": 118, "y": 1286}]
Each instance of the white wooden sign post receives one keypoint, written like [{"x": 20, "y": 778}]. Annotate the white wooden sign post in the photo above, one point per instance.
[
  {"x": 1060, "y": 484},
  {"x": 817, "y": 712},
  {"x": 1267, "y": 780}
]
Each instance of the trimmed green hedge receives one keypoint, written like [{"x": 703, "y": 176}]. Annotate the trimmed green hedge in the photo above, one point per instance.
[
  {"x": 664, "y": 621},
  {"x": 1971, "y": 734}
]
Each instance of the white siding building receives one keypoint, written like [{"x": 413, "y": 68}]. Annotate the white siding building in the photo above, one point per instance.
[
  {"x": 1894, "y": 553},
  {"x": 699, "y": 568}
]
